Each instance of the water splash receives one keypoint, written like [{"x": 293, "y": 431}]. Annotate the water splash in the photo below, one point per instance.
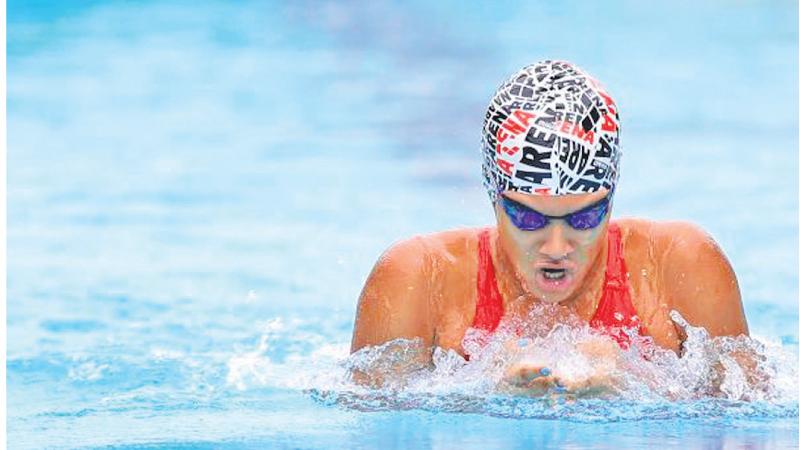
[{"x": 716, "y": 378}]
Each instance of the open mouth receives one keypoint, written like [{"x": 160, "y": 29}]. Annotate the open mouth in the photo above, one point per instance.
[
  {"x": 554, "y": 274},
  {"x": 550, "y": 279}
]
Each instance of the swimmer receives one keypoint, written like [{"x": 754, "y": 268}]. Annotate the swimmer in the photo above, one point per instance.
[{"x": 551, "y": 162}]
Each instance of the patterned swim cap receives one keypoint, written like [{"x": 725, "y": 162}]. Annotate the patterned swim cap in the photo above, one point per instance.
[{"x": 550, "y": 129}]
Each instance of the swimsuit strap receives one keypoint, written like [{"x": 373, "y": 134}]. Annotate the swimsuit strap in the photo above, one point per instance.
[
  {"x": 616, "y": 273},
  {"x": 489, "y": 306},
  {"x": 615, "y": 309}
]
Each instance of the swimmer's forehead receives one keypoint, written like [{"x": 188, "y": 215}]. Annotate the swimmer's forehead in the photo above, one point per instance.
[{"x": 542, "y": 200}]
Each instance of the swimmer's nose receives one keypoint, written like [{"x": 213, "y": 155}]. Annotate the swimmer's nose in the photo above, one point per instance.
[{"x": 556, "y": 246}]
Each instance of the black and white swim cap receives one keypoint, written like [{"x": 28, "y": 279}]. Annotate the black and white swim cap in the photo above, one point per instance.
[{"x": 551, "y": 129}]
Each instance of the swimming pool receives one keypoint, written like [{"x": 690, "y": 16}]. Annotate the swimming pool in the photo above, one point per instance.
[{"x": 197, "y": 193}]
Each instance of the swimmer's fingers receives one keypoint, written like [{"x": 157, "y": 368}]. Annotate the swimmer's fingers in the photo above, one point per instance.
[
  {"x": 525, "y": 375},
  {"x": 542, "y": 383},
  {"x": 529, "y": 374},
  {"x": 586, "y": 387},
  {"x": 564, "y": 386}
]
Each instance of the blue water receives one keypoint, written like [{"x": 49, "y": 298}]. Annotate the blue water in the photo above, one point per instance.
[{"x": 197, "y": 191}]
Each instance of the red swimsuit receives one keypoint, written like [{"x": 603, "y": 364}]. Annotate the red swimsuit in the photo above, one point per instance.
[{"x": 614, "y": 311}]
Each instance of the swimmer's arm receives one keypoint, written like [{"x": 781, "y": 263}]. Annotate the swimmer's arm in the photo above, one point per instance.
[
  {"x": 394, "y": 304},
  {"x": 395, "y": 301},
  {"x": 700, "y": 283},
  {"x": 703, "y": 288}
]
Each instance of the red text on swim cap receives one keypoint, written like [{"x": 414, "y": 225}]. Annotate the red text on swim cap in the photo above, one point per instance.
[{"x": 510, "y": 128}]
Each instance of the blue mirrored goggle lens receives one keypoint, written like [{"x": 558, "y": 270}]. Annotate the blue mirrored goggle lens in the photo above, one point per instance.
[
  {"x": 587, "y": 219},
  {"x": 524, "y": 218},
  {"x": 527, "y": 219}
]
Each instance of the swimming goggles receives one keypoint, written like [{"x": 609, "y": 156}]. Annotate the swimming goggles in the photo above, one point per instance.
[{"x": 528, "y": 219}]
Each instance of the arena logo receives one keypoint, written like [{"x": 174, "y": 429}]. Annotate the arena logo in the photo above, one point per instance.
[{"x": 551, "y": 129}]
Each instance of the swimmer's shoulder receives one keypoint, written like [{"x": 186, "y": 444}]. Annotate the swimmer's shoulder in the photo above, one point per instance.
[
  {"x": 697, "y": 278},
  {"x": 453, "y": 247},
  {"x": 446, "y": 258},
  {"x": 401, "y": 297},
  {"x": 415, "y": 280},
  {"x": 449, "y": 247},
  {"x": 664, "y": 240}
]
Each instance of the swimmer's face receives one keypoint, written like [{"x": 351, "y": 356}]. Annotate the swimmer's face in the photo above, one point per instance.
[{"x": 551, "y": 262}]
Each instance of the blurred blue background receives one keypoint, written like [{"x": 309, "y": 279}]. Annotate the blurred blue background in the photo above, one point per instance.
[{"x": 182, "y": 173}]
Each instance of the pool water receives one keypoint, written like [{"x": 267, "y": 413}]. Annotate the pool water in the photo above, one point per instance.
[{"x": 197, "y": 192}]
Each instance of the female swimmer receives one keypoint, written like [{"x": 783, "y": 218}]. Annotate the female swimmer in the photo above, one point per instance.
[{"x": 551, "y": 158}]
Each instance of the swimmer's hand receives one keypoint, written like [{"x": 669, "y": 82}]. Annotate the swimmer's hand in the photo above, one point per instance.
[{"x": 532, "y": 375}]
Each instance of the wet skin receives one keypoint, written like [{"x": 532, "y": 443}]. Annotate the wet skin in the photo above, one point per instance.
[{"x": 425, "y": 286}]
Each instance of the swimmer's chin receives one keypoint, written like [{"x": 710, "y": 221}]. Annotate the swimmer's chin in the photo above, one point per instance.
[{"x": 552, "y": 299}]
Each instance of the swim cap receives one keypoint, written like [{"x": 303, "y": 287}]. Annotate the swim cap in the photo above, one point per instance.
[{"x": 550, "y": 129}]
